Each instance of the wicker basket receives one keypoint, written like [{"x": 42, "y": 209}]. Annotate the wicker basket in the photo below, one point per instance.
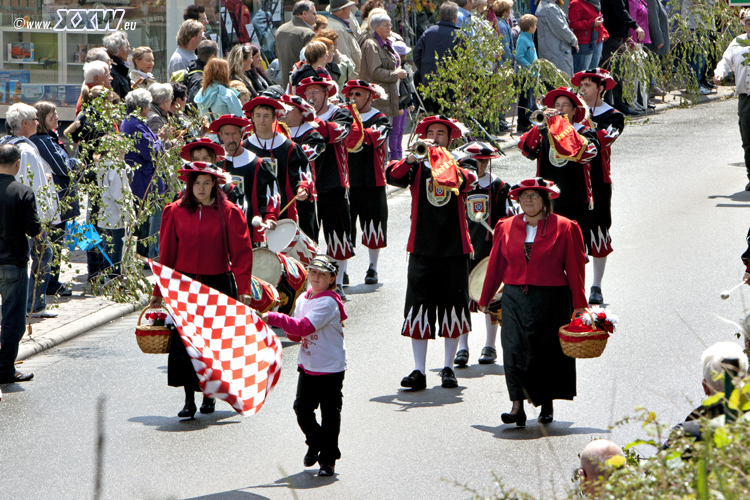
[
  {"x": 152, "y": 339},
  {"x": 583, "y": 345}
]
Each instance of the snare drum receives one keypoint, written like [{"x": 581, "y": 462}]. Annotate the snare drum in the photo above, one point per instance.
[
  {"x": 476, "y": 283},
  {"x": 264, "y": 296},
  {"x": 289, "y": 239},
  {"x": 285, "y": 273}
]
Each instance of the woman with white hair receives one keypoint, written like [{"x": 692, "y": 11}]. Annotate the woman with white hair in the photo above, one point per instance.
[
  {"x": 161, "y": 101},
  {"x": 381, "y": 64},
  {"x": 147, "y": 146}
]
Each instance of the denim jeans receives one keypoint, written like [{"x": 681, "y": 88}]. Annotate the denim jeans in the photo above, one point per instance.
[
  {"x": 41, "y": 249},
  {"x": 14, "y": 282},
  {"x": 153, "y": 229},
  {"x": 113, "y": 250},
  {"x": 395, "y": 151},
  {"x": 583, "y": 61}
]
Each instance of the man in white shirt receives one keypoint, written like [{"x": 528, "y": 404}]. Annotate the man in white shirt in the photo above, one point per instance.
[
  {"x": 733, "y": 61},
  {"x": 189, "y": 36},
  {"x": 34, "y": 172}
]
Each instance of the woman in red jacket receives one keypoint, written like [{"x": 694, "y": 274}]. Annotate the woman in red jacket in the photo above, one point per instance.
[
  {"x": 541, "y": 259},
  {"x": 201, "y": 233},
  {"x": 586, "y": 21}
]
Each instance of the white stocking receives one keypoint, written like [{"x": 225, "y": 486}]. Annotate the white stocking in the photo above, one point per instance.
[
  {"x": 374, "y": 254},
  {"x": 463, "y": 342},
  {"x": 451, "y": 346},
  {"x": 419, "y": 349},
  {"x": 342, "y": 271},
  {"x": 599, "y": 264},
  {"x": 491, "y": 331}
]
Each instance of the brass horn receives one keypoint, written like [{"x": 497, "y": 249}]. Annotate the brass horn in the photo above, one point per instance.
[{"x": 420, "y": 150}]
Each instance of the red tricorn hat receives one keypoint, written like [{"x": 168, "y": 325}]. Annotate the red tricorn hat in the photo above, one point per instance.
[
  {"x": 198, "y": 167},
  {"x": 203, "y": 142},
  {"x": 601, "y": 74},
  {"x": 580, "y": 113},
  {"x": 308, "y": 112},
  {"x": 538, "y": 184},
  {"x": 228, "y": 120},
  {"x": 326, "y": 83},
  {"x": 376, "y": 90},
  {"x": 455, "y": 128},
  {"x": 480, "y": 150},
  {"x": 279, "y": 108}
]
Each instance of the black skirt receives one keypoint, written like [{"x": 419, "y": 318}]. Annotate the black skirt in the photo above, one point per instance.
[
  {"x": 180, "y": 371},
  {"x": 535, "y": 366}
]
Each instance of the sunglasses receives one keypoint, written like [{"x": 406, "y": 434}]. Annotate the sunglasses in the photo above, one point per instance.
[{"x": 355, "y": 94}]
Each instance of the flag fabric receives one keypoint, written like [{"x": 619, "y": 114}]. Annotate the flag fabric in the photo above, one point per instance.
[{"x": 236, "y": 356}]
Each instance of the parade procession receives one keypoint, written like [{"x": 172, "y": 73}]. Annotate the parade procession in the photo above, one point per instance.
[{"x": 326, "y": 193}]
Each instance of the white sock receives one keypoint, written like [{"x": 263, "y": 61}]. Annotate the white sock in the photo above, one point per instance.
[
  {"x": 374, "y": 254},
  {"x": 419, "y": 348},
  {"x": 491, "y": 331},
  {"x": 599, "y": 264},
  {"x": 342, "y": 271},
  {"x": 463, "y": 342},
  {"x": 451, "y": 346}
]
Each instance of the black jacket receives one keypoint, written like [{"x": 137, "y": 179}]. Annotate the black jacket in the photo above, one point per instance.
[
  {"x": 18, "y": 219},
  {"x": 617, "y": 18},
  {"x": 194, "y": 79},
  {"x": 440, "y": 38},
  {"x": 121, "y": 83}
]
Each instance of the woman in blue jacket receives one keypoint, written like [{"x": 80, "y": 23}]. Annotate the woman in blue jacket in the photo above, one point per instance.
[
  {"x": 63, "y": 168},
  {"x": 216, "y": 96}
]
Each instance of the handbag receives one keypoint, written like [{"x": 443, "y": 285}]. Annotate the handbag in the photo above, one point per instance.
[
  {"x": 83, "y": 236},
  {"x": 225, "y": 245}
]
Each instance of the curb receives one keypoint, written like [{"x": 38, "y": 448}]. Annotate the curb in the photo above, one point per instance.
[{"x": 36, "y": 345}]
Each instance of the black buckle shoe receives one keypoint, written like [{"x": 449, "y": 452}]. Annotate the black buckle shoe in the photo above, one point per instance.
[
  {"x": 489, "y": 355},
  {"x": 514, "y": 418},
  {"x": 449, "y": 378},
  {"x": 371, "y": 278},
  {"x": 311, "y": 458},
  {"x": 416, "y": 381},
  {"x": 17, "y": 377},
  {"x": 208, "y": 405},
  {"x": 462, "y": 357},
  {"x": 326, "y": 470},
  {"x": 188, "y": 411},
  {"x": 340, "y": 292},
  {"x": 596, "y": 296},
  {"x": 546, "y": 413}
]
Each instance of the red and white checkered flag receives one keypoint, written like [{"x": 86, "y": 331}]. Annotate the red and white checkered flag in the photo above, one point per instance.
[{"x": 236, "y": 355}]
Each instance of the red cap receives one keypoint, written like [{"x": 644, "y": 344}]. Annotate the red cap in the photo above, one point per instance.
[
  {"x": 228, "y": 120},
  {"x": 456, "y": 128},
  {"x": 203, "y": 142},
  {"x": 538, "y": 184},
  {"x": 198, "y": 167},
  {"x": 549, "y": 101}
]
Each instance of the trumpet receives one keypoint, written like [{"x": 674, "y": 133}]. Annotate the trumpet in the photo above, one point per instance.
[
  {"x": 420, "y": 150},
  {"x": 539, "y": 118}
]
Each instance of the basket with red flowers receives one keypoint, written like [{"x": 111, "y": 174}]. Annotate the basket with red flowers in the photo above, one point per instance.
[
  {"x": 586, "y": 336},
  {"x": 153, "y": 331}
]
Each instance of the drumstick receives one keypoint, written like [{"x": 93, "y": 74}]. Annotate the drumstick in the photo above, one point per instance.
[
  {"x": 289, "y": 204},
  {"x": 725, "y": 293},
  {"x": 484, "y": 223}
]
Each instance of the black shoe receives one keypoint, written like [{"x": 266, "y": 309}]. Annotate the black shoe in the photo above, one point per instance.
[
  {"x": 514, "y": 418},
  {"x": 416, "y": 381},
  {"x": 596, "y": 296},
  {"x": 346, "y": 279},
  {"x": 17, "y": 377},
  {"x": 462, "y": 357},
  {"x": 62, "y": 291},
  {"x": 188, "y": 411},
  {"x": 326, "y": 470},
  {"x": 747, "y": 187},
  {"x": 340, "y": 292},
  {"x": 311, "y": 458},
  {"x": 371, "y": 278},
  {"x": 449, "y": 378},
  {"x": 208, "y": 405},
  {"x": 489, "y": 355},
  {"x": 626, "y": 109},
  {"x": 546, "y": 413},
  {"x": 651, "y": 106},
  {"x": 502, "y": 126}
]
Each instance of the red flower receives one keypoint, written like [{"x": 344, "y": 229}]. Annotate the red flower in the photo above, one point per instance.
[
  {"x": 578, "y": 326},
  {"x": 608, "y": 327},
  {"x": 601, "y": 315},
  {"x": 148, "y": 315},
  {"x": 161, "y": 316}
]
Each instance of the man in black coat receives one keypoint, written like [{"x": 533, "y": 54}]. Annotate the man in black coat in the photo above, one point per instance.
[
  {"x": 206, "y": 51},
  {"x": 617, "y": 21},
  {"x": 118, "y": 48},
  {"x": 18, "y": 219},
  {"x": 440, "y": 39}
]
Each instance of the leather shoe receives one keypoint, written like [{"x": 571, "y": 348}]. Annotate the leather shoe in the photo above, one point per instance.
[
  {"x": 518, "y": 418},
  {"x": 596, "y": 296},
  {"x": 340, "y": 292},
  {"x": 462, "y": 357},
  {"x": 628, "y": 110},
  {"x": 449, "y": 378},
  {"x": 747, "y": 187},
  {"x": 416, "y": 381},
  {"x": 371, "y": 278},
  {"x": 62, "y": 291},
  {"x": 546, "y": 413},
  {"x": 311, "y": 458},
  {"x": 17, "y": 377},
  {"x": 188, "y": 411},
  {"x": 208, "y": 405},
  {"x": 326, "y": 470},
  {"x": 489, "y": 355}
]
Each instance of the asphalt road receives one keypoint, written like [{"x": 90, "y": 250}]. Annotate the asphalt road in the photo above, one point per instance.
[{"x": 680, "y": 218}]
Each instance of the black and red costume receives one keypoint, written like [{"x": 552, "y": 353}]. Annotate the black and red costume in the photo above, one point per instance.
[
  {"x": 439, "y": 247},
  {"x": 332, "y": 182},
  {"x": 312, "y": 143},
  {"x": 576, "y": 201},
  {"x": 367, "y": 196},
  {"x": 609, "y": 124},
  {"x": 289, "y": 164},
  {"x": 255, "y": 191}
]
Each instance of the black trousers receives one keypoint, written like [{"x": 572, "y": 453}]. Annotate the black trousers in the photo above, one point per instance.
[
  {"x": 323, "y": 391},
  {"x": 743, "y": 110}
]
